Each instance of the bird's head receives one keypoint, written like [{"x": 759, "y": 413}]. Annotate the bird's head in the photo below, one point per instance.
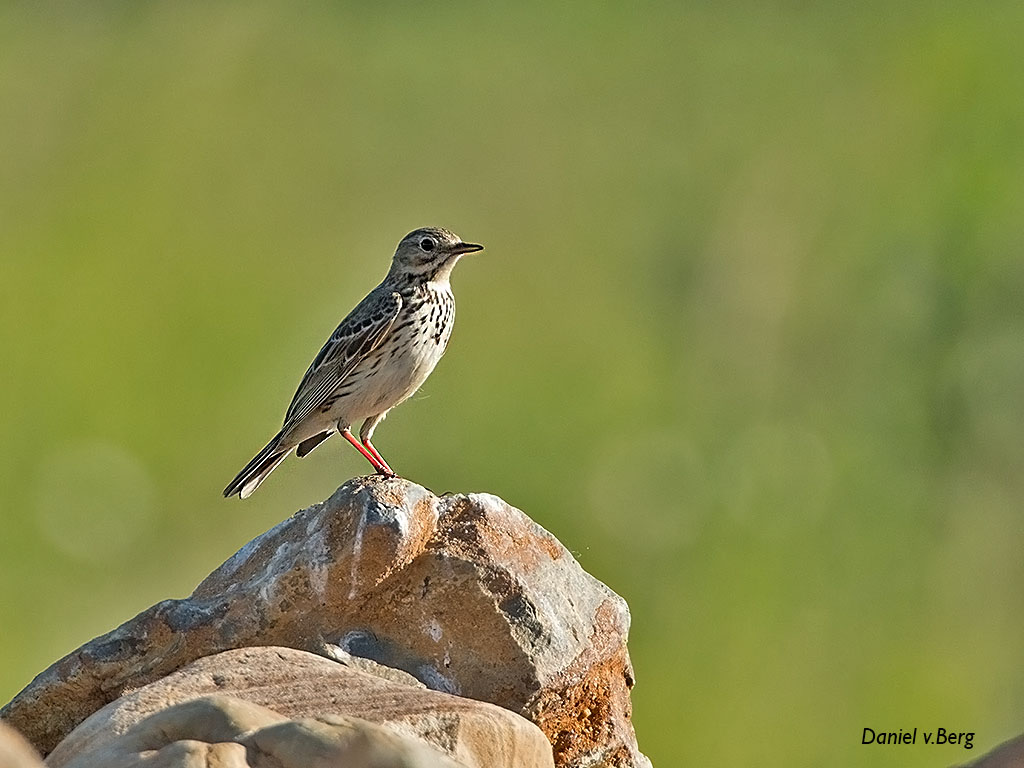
[{"x": 430, "y": 253}]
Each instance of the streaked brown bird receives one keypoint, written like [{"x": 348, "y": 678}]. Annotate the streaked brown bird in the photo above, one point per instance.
[{"x": 379, "y": 356}]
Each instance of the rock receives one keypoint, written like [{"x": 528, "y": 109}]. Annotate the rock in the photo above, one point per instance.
[
  {"x": 1009, "y": 754},
  {"x": 300, "y": 685},
  {"x": 223, "y": 732},
  {"x": 15, "y": 752},
  {"x": 465, "y": 593}
]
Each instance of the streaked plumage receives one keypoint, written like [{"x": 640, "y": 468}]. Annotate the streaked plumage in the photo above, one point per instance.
[{"x": 377, "y": 357}]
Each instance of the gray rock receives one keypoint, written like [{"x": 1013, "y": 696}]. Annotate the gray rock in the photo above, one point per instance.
[
  {"x": 1009, "y": 754},
  {"x": 464, "y": 593}
]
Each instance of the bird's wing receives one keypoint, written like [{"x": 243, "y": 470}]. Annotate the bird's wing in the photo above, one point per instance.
[{"x": 357, "y": 336}]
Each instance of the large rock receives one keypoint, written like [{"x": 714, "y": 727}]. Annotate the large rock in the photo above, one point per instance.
[
  {"x": 15, "y": 752},
  {"x": 297, "y": 685},
  {"x": 222, "y": 732},
  {"x": 465, "y": 593}
]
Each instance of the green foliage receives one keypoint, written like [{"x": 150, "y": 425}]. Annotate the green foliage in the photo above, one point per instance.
[{"x": 747, "y": 335}]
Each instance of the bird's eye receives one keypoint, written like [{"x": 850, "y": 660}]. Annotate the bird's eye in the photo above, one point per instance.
[{"x": 427, "y": 244}]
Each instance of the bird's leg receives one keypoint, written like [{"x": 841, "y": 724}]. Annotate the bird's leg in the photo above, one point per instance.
[
  {"x": 365, "y": 433},
  {"x": 369, "y": 456},
  {"x": 369, "y": 446}
]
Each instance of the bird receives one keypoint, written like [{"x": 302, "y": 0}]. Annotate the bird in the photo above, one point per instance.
[{"x": 378, "y": 356}]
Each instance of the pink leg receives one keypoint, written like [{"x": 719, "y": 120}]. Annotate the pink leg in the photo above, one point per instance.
[
  {"x": 369, "y": 446},
  {"x": 369, "y": 456}
]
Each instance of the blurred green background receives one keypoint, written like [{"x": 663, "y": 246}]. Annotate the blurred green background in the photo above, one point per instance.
[{"x": 747, "y": 335}]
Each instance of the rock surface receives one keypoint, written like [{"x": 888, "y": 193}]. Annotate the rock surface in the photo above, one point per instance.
[
  {"x": 300, "y": 685},
  {"x": 1009, "y": 754},
  {"x": 15, "y": 752},
  {"x": 223, "y": 732},
  {"x": 465, "y": 593}
]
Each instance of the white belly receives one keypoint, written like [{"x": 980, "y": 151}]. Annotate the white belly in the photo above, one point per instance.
[{"x": 388, "y": 375}]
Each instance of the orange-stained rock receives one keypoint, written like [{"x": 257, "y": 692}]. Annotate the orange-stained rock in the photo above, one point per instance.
[
  {"x": 301, "y": 685},
  {"x": 465, "y": 593}
]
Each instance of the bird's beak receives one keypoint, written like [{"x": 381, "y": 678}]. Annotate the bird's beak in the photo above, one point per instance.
[{"x": 466, "y": 248}]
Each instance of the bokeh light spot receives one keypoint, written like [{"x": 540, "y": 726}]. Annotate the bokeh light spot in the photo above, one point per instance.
[
  {"x": 657, "y": 478},
  {"x": 93, "y": 500},
  {"x": 778, "y": 477}
]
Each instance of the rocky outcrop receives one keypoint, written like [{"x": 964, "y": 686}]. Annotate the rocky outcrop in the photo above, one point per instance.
[
  {"x": 300, "y": 686},
  {"x": 464, "y": 593}
]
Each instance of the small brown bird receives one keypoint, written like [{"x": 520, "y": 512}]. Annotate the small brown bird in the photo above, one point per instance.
[{"x": 379, "y": 356}]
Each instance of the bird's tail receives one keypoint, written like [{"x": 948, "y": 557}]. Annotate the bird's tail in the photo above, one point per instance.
[{"x": 256, "y": 471}]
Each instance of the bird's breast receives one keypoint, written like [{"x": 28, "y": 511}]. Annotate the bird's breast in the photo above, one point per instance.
[{"x": 405, "y": 358}]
